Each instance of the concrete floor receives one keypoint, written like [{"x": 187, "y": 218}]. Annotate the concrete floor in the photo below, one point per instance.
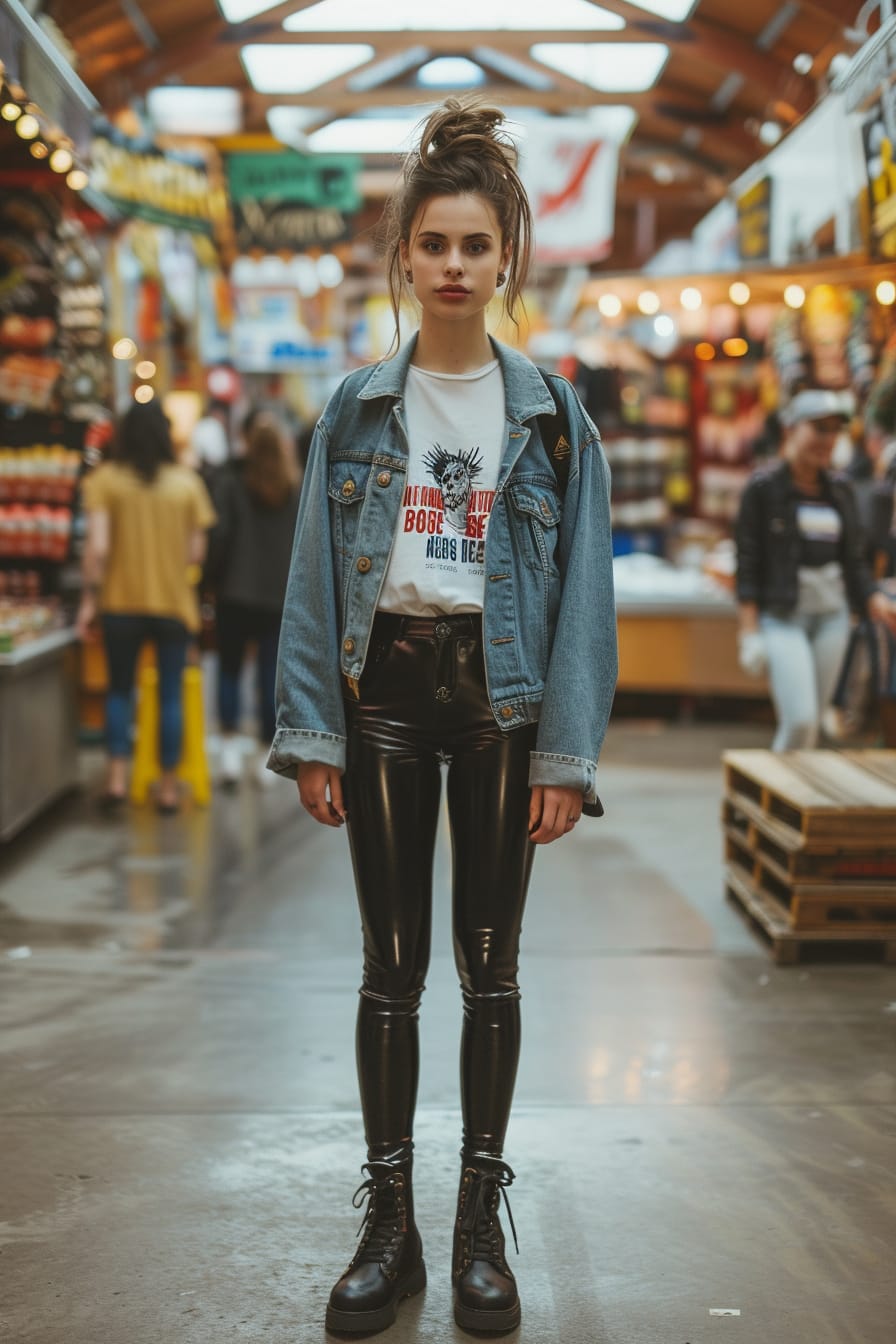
[{"x": 696, "y": 1132}]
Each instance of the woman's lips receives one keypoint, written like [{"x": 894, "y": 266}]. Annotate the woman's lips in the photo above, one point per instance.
[{"x": 457, "y": 291}]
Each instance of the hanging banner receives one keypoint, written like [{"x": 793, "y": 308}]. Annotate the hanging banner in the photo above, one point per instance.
[
  {"x": 570, "y": 176},
  {"x": 321, "y": 181},
  {"x": 754, "y": 221},
  {"x": 879, "y": 140},
  {"x": 157, "y": 185},
  {"x": 283, "y": 226}
]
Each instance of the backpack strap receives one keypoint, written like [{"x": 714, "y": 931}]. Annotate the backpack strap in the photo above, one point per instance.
[{"x": 555, "y": 434}]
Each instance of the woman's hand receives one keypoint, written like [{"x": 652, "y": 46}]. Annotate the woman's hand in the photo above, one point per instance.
[
  {"x": 552, "y": 812},
  {"x": 86, "y": 615},
  {"x": 880, "y": 608},
  {"x": 320, "y": 789}
]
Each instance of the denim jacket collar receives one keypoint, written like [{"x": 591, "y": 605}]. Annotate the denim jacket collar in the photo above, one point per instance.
[{"x": 525, "y": 392}]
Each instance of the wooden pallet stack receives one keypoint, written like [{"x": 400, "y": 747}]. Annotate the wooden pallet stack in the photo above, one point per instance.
[{"x": 810, "y": 846}]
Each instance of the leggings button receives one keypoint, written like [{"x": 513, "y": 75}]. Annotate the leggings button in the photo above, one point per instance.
[
  {"x": 443, "y": 630},
  {"x": 443, "y": 694}
]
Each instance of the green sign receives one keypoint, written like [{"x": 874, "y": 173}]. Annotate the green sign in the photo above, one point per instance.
[{"x": 323, "y": 181}]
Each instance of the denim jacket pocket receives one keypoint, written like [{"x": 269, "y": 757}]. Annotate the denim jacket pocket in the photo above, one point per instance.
[
  {"x": 538, "y": 510},
  {"x": 346, "y": 488}
]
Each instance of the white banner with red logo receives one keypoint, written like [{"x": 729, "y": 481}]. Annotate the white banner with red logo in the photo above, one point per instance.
[{"x": 570, "y": 175}]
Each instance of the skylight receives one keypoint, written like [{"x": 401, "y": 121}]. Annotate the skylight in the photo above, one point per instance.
[
  {"x": 354, "y": 16},
  {"x": 237, "y": 11},
  {"x": 288, "y": 124},
  {"x": 673, "y": 10},
  {"x": 618, "y": 67},
  {"x": 367, "y": 135},
  {"x": 175, "y": 109},
  {"x": 295, "y": 69},
  {"x": 450, "y": 72}
]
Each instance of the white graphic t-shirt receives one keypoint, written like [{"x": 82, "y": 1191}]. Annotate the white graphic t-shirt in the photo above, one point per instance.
[{"x": 456, "y": 433}]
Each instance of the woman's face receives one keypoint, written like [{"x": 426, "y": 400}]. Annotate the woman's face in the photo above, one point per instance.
[
  {"x": 454, "y": 254},
  {"x": 812, "y": 442}
]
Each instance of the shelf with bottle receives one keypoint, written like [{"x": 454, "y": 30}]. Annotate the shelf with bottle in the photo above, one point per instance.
[{"x": 27, "y": 611}]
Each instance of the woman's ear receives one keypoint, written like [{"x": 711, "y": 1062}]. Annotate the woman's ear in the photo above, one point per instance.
[
  {"x": 506, "y": 254},
  {"x": 403, "y": 253}
]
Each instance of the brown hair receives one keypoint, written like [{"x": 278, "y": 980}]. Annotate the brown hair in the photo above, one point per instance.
[
  {"x": 271, "y": 472},
  {"x": 462, "y": 150}
]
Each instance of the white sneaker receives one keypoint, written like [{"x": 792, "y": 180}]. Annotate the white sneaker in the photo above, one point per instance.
[{"x": 230, "y": 762}]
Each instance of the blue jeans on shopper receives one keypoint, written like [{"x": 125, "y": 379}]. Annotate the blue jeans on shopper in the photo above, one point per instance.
[
  {"x": 124, "y": 636},
  {"x": 238, "y": 625}
]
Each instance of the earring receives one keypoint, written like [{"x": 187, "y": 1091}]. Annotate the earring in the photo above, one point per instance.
[
  {"x": 502, "y": 276},
  {"x": 409, "y": 276}
]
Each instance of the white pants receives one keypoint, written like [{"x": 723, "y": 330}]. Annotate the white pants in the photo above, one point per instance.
[{"x": 805, "y": 654}]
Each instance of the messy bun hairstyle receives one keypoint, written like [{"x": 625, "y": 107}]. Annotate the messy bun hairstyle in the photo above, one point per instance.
[{"x": 463, "y": 150}]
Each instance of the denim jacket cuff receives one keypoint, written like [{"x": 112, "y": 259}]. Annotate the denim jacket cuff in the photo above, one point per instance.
[
  {"x": 292, "y": 746},
  {"x": 564, "y": 772}
]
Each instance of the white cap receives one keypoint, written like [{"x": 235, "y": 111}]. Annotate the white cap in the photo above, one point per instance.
[{"x": 817, "y": 403}]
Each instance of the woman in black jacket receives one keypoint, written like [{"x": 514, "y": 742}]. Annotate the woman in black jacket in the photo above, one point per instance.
[
  {"x": 257, "y": 500},
  {"x": 801, "y": 569}
]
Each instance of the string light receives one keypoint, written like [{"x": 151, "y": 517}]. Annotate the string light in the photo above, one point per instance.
[
  {"x": 10, "y": 111},
  {"x": 886, "y": 293},
  {"x": 124, "y": 349},
  {"x": 77, "y": 179},
  {"x": 144, "y": 393},
  {"x": 739, "y": 293},
  {"x": 691, "y": 299},
  {"x": 145, "y": 369},
  {"x": 794, "y": 296},
  {"x": 648, "y": 302},
  {"x": 61, "y": 160},
  {"x": 610, "y": 305},
  {"x": 703, "y": 350},
  {"x": 663, "y": 325},
  {"x": 27, "y": 126},
  {"x": 38, "y": 149}
]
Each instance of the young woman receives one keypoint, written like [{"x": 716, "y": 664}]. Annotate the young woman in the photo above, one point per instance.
[
  {"x": 147, "y": 518},
  {"x": 450, "y": 601},
  {"x": 257, "y": 498},
  {"x": 801, "y": 569}
]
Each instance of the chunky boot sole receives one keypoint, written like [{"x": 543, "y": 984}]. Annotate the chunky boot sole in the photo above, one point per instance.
[
  {"x": 494, "y": 1322},
  {"x": 369, "y": 1322}
]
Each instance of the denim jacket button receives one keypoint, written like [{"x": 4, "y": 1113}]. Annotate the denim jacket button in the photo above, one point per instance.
[
  {"x": 363, "y": 564},
  {"x": 384, "y": 478},
  {"x": 507, "y": 712},
  {"x": 348, "y": 645},
  {"x": 349, "y": 488}
]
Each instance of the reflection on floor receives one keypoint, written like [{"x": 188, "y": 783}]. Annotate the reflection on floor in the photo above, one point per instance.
[{"x": 696, "y": 1129}]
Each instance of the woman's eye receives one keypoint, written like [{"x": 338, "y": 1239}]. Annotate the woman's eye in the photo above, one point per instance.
[
  {"x": 431, "y": 246},
  {"x": 477, "y": 249}
]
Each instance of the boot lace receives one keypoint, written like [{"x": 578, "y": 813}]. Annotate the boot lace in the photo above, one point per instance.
[
  {"x": 384, "y": 1218},
  {"x": 480, "y": 1216}
]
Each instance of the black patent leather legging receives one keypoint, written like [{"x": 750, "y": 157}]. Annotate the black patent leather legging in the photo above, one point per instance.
[{"x": 423, "y": 701}]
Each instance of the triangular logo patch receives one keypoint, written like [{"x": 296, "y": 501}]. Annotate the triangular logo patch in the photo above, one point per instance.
[{"x": 561, "y": 447}]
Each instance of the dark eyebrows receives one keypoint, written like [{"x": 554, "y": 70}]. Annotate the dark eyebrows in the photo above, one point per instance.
[{"x": 468, "y": 238}]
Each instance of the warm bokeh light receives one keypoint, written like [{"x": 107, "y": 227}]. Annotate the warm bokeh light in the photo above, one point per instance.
[
  {"x": 77, "y": 179},
  {"x": 703, "y": 350},
  {"x": 648, "y": 302},
  {"x": 886, "y": 293},
  {"x": 739, "y": 293},
  {"x": 663, "y": 325},
  {"x": 691, "y": 299},
  {"x": 145, "y": 369},
  {"x": 27, "y": 126},
  {"x": 794, "y": 296},
  {"x": 144, "y": 393},
  {"x": 38, "y": 149},
  {"x": 61, "y": 160},
  {"x": 610, "y": 305},
  {"x": 124, "y": 349},
  {"x": 10, "y": 111},
  {"x": 735, "y": 346}
]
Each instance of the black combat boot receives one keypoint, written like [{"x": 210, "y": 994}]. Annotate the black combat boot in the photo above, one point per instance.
[
  {"x": 485, "y": 1295},
  {"x": 388, "y": 1264}
]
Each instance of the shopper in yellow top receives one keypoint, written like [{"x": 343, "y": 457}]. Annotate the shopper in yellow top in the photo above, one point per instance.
[{"x": 147, "y": 519}]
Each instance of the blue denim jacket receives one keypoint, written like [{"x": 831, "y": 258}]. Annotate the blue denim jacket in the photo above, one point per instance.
[{"x": 549, "y": 620}]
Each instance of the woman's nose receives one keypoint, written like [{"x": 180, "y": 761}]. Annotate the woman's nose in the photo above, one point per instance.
[{"x": 454, "y": 262}]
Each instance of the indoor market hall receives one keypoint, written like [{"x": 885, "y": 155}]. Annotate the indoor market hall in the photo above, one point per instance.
[{"x": 447, "y": 671}]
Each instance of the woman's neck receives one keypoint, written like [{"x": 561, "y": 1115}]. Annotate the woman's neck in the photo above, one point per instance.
[{"x": 452, "y": 347}]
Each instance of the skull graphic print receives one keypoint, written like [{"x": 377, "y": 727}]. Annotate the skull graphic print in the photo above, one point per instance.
[{"x": 454, "y": 473}]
